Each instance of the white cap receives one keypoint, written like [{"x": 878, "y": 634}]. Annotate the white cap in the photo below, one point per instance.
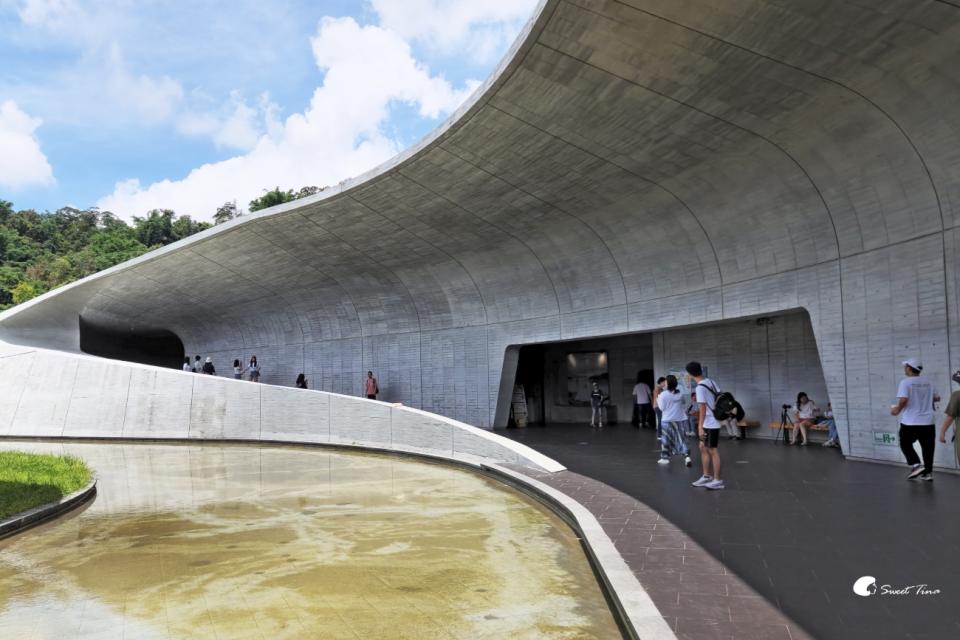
[
  {"x": 209, "y": 359},
  {"x": 914, "y": 363}
]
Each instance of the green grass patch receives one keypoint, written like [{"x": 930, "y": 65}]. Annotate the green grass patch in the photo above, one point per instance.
[{"x": 29, "y": 480}]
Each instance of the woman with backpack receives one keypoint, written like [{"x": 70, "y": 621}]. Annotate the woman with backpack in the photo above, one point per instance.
[{"x": 671, "y": 403}]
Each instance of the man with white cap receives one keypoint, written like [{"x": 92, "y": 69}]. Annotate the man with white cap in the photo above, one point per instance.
[{"x": 915, "y": 398}]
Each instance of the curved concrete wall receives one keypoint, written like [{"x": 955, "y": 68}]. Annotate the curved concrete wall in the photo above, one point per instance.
[
  {"x": 58, "y": 395},
  {"x": 633, "y": 165}
]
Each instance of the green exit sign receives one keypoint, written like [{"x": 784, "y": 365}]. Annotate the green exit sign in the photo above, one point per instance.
[{"x": 884, "y": 437}]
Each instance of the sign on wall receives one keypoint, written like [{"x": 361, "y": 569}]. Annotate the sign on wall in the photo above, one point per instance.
[{"x": 885, "y": 437}]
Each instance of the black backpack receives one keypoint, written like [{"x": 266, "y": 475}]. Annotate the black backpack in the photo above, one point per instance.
[{"x": 725, "y": 406}]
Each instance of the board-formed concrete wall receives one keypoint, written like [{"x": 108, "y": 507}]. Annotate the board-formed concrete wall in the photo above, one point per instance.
[
  {"x": 633, "y": 165},
  {"x": 58, "y": 395}
]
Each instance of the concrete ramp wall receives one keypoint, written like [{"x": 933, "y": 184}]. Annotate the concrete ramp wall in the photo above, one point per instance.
[{"x": 61, "y": 395}]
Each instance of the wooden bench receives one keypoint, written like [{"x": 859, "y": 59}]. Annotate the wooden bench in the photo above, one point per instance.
[
  {"x": 789, "y": 427},
  {"x": 747, "y": 424}
]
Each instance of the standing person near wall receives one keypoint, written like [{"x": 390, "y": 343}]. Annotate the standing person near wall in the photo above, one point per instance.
[
  {"x": 370, "y": 386},
  {"x": 301, "y": 381},
  {"x": 197, "y": 365},
  {"x": 952, "y": 417},
  {"x": 208, "y": 367},
  {"x": 254, "y": 369},
  {"x": 915, "y": 398},
  {"x": 237, "y": 370},
  {"x": 642, "y": 397},
  {"x": 672, "y": 407},
  {"x": 708, "y": 429},
  {"x": 596, "y": 405},
  {"x": 186, "y": 364},
  {"x": 657, "y": 389}
]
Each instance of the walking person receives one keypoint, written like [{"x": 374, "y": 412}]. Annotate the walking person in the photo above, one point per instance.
[
  {"x": 657, "y": 389},
  {"x": 915, "y": 398},
  {"x": 254, "y": 369},
  {"x": 708, "y": 429},
  {"x": 952, "y": 417},
  {"x": 301, "y": 381},
  {"x": 597, "y": 398},
  {"x": 208, "y": 367},
  {"x": 186, "y": 365},
  {"x": 237, "y": 370},
  {"x": 642, "y": 398},
  {"x": 370, "y": 386},
  {"x": 693, "y": 416},
  {"x": 671, "y": 404}
]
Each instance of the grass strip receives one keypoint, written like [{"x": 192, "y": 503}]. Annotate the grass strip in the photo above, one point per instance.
[{"x": 29, "y": 480}]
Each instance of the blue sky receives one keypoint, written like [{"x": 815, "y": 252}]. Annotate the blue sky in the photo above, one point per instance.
[{"x": 131, "y": 105}]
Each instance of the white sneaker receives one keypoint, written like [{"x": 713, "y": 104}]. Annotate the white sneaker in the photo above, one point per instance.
[
  {"x": 915, "y": 472},
  {"x": 687, "y": 461},
  {"x": 663, "y": 461},
  {"x": 828, "y": 443},
  {"x": 714, "y": 484},
  {"x": 702, "y": 482}
]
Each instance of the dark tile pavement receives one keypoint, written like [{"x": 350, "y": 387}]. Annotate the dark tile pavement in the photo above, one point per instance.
[{"x": 777, "y": 552}]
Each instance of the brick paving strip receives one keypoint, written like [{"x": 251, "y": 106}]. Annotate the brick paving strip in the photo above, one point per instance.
[{"x": 694, "y": 592}]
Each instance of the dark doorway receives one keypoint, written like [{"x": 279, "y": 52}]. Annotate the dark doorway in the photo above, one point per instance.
[
  {"x": 530, "y": 377},
  {"x": 156, "y": 347},
  {"x": 557, "y": 376}
]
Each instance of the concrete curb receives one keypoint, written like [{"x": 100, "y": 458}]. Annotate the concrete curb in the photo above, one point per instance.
[
  {"x": 24, "y": 520},
  {"x": 636, "y": 613}
]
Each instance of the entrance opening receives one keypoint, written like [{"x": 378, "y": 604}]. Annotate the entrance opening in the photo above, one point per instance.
[
  {"x": 557, "y": 377},
  {"x": 154, "y": 347},
  {"x": 764, "y": 361}
]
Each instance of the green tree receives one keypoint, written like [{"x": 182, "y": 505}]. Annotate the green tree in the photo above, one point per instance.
[
  {"x": 26, "y": 290},
  {"x": 271, "y": 199},
  {"x": 185, "y": 226},
  {"x": 226, "y": 211}
]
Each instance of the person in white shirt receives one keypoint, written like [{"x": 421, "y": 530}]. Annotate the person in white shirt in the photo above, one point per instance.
[
  {"x": 672, "y": 406},
  {"x": 186, "y": 365},
  {"x": 642, "y": 397},
  {"x": 915, "y": 398},
  {"x": 708, "y": 429},
  {"x": 807, "y": 413}
]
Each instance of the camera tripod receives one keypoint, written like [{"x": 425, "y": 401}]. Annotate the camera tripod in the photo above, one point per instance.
[{"x": 786, "y": 424}]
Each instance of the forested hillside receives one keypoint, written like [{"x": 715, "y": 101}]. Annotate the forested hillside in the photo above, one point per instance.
[{"x": 40, "y": 251}]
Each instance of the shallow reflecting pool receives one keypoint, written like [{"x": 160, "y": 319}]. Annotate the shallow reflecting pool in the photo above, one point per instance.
[{"x": 211, "y": 541}]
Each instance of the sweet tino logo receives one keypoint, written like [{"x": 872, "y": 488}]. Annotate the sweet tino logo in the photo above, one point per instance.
[{"x": 865, "y": 586}]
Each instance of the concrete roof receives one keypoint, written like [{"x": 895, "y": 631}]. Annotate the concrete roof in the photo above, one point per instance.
[{"x": 631, "y": 165}]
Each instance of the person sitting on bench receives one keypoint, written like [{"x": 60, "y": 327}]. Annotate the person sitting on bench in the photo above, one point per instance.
[
  {"x": 807, "y": 413},
  {"x": 833, "y": 440}
]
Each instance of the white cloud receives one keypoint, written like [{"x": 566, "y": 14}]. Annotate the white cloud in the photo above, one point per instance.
[
  {"x": 468, "y": 28},
  {"x": 149, "y": 99},
  {"x": 339, "y": 135},
  {"x": 236, "y": 125},
  {"x": 22, "y": 163}
]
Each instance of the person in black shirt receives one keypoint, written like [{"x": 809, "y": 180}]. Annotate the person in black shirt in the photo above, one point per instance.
[
  {"x": 597, "y": 398},
  {"x": 301, "y": 381},
  {"x": 208, "y": 367}
]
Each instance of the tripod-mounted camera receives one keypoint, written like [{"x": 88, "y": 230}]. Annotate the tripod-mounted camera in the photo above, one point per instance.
[{"x": 786, "y": 424}]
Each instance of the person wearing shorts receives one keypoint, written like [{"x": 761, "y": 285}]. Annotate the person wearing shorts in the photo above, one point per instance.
[
  {"x": 952, "y": 417},
  {"x": 708, "y": 428}
]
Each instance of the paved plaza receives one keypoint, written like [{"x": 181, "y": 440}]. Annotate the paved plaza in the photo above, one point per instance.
[{"x": 798, "y": 526}]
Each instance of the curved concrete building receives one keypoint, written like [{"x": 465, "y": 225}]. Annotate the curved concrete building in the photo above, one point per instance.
[{"x": 783, "y": 176}]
